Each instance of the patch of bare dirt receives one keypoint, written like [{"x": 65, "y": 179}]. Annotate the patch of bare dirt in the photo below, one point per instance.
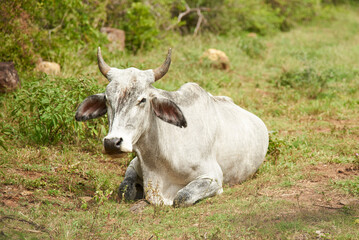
[
  {"x": 139, "y": 206},
  {"x": 32, "y": 175},
  {"x": 10, "y": 196},
  {"x": 316, "y": 191},
  {"x": 335, "y": 125}
]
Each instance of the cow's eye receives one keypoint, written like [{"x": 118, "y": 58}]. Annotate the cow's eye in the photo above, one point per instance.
[{"x": 143, "y": 100}]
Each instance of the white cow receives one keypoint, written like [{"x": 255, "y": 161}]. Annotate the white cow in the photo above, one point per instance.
[{"x": 188, "y": 142}]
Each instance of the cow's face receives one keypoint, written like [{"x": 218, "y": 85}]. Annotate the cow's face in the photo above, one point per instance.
[{"x": 130, "y": 104}]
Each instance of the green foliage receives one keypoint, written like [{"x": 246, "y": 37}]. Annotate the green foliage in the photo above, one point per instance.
[
  {"x": 259, "y": 16},
  {"x": 102, "y": 196},
  {"x": 140, "y": 27},
  {"x": 295, "y": 11},
  {"x": 48, "y": 30},
  {"x": 44, "y": 110},
  {"x": 18, "y": 36},
  {"x": 54, "y": 30},
  {"x": 254, "y": 16},
  {"x": 308, "y": 80},
  {"x": 312, "y": 82}
]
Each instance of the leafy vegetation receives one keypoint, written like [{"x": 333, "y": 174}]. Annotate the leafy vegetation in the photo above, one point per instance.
[
  {"x": 302, "y": 80},
  {"x": 44, "y": 108},
  {"x": 54, "y": 30},
  {"x": 141, "y": 31}
]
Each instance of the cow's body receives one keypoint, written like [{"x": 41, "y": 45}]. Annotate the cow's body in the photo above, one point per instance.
[{"x": 186, "y": 153}]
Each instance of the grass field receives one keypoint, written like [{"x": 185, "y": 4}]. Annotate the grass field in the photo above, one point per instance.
[{"x": 304, "y": 84}]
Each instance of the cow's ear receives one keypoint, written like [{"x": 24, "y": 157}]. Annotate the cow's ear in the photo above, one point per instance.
[
  {"x": 92, "y": 107},
  {"x": 168, "y": 111}
]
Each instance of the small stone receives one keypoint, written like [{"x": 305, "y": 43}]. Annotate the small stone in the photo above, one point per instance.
[
  {"x": 116, "y": 37},
  {"x": 50, "y": 68},
  {"x": 217, "y": 59}
]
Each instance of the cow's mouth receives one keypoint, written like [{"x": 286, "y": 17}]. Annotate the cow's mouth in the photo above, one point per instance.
[{"x": 114, "y": 154}]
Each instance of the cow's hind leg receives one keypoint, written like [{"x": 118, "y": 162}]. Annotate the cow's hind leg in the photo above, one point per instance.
[
  {"x": 196, "y": 190},
  {"x": 131, "y": 187}
]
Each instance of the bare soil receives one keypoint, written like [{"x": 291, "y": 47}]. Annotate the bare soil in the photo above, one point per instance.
[{"x": 316, "y": 191}]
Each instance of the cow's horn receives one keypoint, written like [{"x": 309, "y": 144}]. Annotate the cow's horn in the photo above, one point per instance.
[
  {"x": 161, "y": 71},
  {"x": 104, "y": 68}
]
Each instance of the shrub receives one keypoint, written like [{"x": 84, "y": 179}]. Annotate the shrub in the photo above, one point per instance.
[
  {"x": 18, "y": 35},
  {"x": 295, "y": 11},
  {"x": 48, "y": 29},
  {"x": 140, "y": 27},
  {"x": 235, "y": 16},
  {"x": 308, "y": 80},
  {"x": 313, "y": 83},
  {"x": 44, "y": 110}
]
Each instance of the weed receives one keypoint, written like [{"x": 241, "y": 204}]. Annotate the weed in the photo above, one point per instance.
[
  {"x": 275, "y": 148},
  {"x": 102, "y": 196},
  {"x": 153, "y": 196}
]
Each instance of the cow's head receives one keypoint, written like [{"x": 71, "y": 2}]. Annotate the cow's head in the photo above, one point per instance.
[{"x": 130, "y": 104}]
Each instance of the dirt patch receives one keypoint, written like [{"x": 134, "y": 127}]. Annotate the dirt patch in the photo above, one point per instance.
[
  {"x": 32, "y": 175},
  {"x": 317, "y": 191}
]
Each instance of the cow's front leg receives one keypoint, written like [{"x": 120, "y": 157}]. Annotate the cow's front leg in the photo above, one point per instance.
[
  {"x": 131, "y": 187},
  {"x": 196, "y": 190}
]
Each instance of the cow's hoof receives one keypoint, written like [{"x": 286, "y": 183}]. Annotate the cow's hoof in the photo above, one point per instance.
[
  {"x": 128, "y": 191},
  {"x": 181, "y": 199}
]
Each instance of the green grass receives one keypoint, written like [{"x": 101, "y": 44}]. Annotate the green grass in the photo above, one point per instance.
[{"x": 302, "y": 83}]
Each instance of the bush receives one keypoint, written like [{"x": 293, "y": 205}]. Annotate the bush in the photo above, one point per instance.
[
  {"x": 44, "y": 110},
  {"x": 295, "y": 11},
  {"x": 18, "y": 35},
  {"x": 259, "y": 16},
  {"x": 313, "y": 83},
  {"x": 140, "y": 27},
  {"x": 308, "y": 80},
  {"x": 48, "y": 29}
]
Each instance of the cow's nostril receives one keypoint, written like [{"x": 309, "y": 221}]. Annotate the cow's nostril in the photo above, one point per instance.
[
  {"x": 118, "y": 142},
  {"x": 113, "y": 145}
]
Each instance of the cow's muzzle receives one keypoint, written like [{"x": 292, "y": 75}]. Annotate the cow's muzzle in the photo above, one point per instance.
[{"x": 112, "y": 145}]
